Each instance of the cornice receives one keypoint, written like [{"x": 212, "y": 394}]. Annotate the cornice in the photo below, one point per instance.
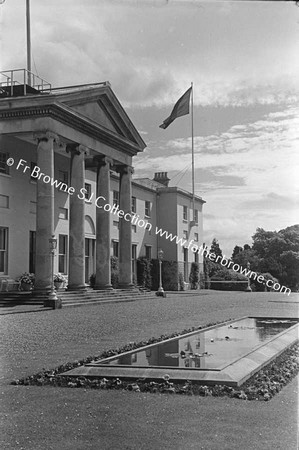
[
  {"x": 65, "y": 115},
  {"x": 177, "y": 190}
]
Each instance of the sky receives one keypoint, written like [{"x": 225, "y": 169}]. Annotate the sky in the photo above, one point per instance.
[{"x": 242, "y": 58}]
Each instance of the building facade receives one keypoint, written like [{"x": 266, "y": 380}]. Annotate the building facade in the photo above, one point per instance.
[{"x": 66, "y": 166}]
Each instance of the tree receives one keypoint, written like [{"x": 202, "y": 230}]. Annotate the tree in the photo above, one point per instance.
[
  {"x": 236, "y": 251},
  {"x": 277, "y": 252},
  {"x": 210, "y": 267},
  {"x": 261, "y": 240},
  {"x": 215, "y": 248},
  {"x": 290, "y": 265},
  {"x": 248, "y": 256}
]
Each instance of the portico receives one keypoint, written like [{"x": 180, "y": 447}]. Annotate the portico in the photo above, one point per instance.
[{"x": 89, "y": 129}]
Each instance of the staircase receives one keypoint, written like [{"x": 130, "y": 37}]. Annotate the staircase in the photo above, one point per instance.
[
  {"x": 76, "y": 298},
  {"x": 14, "y": 298}
]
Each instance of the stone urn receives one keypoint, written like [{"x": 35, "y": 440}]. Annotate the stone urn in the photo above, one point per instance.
[
  {"x": 58, "y": 285},
  {"x": 26, "y": 286}
]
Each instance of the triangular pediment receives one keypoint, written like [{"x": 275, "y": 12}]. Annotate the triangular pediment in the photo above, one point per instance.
[
  {"x": 101, "y": 107},
  {"x": 93, "y": 111}
]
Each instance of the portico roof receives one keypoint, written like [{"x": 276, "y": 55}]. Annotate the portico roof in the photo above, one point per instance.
[{"x": 93, "y": 112}]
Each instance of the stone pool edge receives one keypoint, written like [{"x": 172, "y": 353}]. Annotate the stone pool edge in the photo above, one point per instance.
[{"x": 233, "y": 375}]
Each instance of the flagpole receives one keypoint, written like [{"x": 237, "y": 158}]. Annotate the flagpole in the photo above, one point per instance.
[
  {"x": 192, "y": 149},
  {"x": 28, "y": 39}
]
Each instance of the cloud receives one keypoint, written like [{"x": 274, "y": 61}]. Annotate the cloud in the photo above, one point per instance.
[
  {"x": 150, "y": 52},
  {"x": 247, "y": 174},
  {"x": 272, "y": 201}
]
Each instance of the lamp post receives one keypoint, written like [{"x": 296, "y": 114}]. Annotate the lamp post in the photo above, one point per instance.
[
  {"x": 53, "y": 246},
  {"x": 248, "y": 289},
  {"x": 160, "y": 291}
]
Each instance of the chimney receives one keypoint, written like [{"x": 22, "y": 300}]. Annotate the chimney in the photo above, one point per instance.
[{"x": 162, "y": 178}]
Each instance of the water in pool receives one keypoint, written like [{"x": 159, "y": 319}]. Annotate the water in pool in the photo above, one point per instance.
[{"x": 212, "y": 349}]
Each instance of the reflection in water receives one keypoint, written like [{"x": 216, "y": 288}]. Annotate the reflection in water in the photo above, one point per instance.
[{"x": 209, "y": 349}]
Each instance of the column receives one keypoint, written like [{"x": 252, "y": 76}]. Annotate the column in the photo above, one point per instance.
[
  {"x": 76, "y": 279},
  {"x": 44, "y": 211},
  {"x": 125, "y": 228},
  {"x": 103, "y": 268}
]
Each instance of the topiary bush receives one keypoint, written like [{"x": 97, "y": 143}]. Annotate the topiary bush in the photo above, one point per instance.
[
  {"x": 144, "y": 278},
  {"x": 181, "y": 281},
  {"x": 169, "y": 275},
  {"x": 194, "y": 275},
  {"x": 114, "y": 271}
]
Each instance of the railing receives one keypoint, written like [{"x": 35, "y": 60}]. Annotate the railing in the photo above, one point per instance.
[{"x": 25, "y": 78}]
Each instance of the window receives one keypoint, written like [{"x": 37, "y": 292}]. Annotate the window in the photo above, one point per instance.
[
  {"x": 196, "y": 215},
  {"x": 185, "y": 234},
  {"x": 115, "y": 224},
  {"x": 134, "y": 228},
  {"x": 185, "y": 213},
  {"x": 63, "y": 213},
  {"x": 148, "y": 251},
  {"x": 195, "y": 237},
  {"x": 116, "y": 198},
  {"x": 32, "y": 240},
  {"x": 134, "y": 204},
  {"x": 63, "y": 176},
  {"x": 32, "y": 165},
  {"x": 4, "y": 168},
  {"x": 62, "y": 253},
  {"x": 4, "y": 201},
  {"x": 196, "y": 257},
  {"x": 147, "y": 209},
  {"x": 3, "y": 249},
  {"x": 33, "y": 207},
  {"x": 134, "y": 251},
  {"x": 88, "y": 191},
  {"x": 115, "y": 248}
]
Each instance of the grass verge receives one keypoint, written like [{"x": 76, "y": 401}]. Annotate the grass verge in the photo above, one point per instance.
[{"x": 261, "y": 386}]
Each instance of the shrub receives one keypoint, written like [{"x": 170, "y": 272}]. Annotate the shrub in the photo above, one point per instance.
[
  {"x": 261, "y": 287},
  {"x": 27, "y": 278},
  {"x": 202, "y": 284},
  {"x": 114, "y": 273},
  {"x": 194, "y": 275},
  {"x": 59, "y": 278},
  {"x": 181, "y": 281},
  {"x": 228, "y": 286},
  {"x": 169, "y": 275},
  {"x": 144, "y": 278},
  {"x": 92, "y": 280}
]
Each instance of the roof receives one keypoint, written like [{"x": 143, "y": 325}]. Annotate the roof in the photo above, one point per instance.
[
  {"x": 91, "y": 109},
  {"x": 161, "y": 188},
  {"x": 148, "y": 183}
]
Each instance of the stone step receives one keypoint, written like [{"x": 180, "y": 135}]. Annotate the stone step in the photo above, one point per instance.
[
  {"x": 111, "y": 297},
  {"x": 111, "y": 300},
  {"x": 74, "y": 298}
]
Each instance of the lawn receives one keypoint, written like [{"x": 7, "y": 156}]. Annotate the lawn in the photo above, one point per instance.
[{"x": 61, "y": 418}]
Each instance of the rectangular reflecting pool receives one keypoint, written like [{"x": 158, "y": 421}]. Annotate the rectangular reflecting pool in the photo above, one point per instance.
[
  {"x": 206, "y": 349},
  {"x": 228, "y": 353}
]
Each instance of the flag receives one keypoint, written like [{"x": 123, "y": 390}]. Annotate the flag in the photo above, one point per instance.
[{"x": 181, "y": 108}]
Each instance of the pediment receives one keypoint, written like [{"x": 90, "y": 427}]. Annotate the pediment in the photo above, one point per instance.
[
  {"x": 102, "y": 108},
  {"x": 93, "y": 111}
]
